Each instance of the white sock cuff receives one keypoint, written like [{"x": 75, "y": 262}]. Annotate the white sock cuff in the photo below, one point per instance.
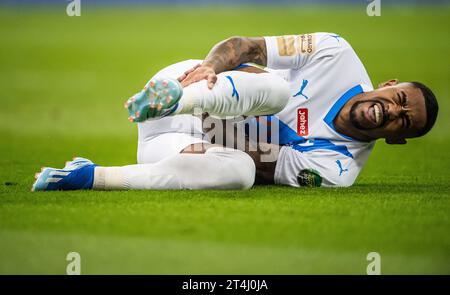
[
  {"x": 192, "y": 98},
  {"x": 108, "y": 178}
]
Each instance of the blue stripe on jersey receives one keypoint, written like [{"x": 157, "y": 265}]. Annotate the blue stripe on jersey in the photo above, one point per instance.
[
  {"x": 338, "y": 106},
  {"x": 287, "y": 136},
  {"x": 241, "y": 66},
  {"x": 235, "y": 92},
  {"x": 323, "y": 144}
]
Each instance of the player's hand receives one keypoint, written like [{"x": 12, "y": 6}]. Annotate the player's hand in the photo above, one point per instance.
[{"x": 198, "y": 73}]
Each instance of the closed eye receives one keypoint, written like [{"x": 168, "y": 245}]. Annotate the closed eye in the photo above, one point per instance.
[
  {"x": 405, "y": 103},
  {"x": 403, "y": 100},
  {"x": 408, "y": 122}
]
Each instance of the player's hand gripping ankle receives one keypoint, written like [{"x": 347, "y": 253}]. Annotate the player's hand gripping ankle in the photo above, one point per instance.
[{"x": 198, "y": 73}]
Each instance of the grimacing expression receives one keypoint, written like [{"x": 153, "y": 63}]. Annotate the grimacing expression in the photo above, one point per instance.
[{"x": 394, "y": 112}]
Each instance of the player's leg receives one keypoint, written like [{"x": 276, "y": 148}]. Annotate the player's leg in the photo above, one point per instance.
[
  {"x": 216, "y": 168},
  {"x": 158, "y": 139},
  {"x": 235, "y": 93},
  {"x": 155, "y": 148}
]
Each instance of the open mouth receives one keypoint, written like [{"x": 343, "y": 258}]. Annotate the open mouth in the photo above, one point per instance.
[
  {"x": 368, "y": 114},
  {"x": 376, "y": 114}
]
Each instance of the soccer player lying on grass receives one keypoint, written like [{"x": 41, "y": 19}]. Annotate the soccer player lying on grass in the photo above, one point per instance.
[{"x": 314, "y": 88}]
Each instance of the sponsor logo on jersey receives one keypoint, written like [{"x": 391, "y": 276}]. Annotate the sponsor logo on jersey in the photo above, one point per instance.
[
  {"x": 300, "y": 92},
  {"x": 306, "y": 43},
  {"x": 341, "y": 169},
  {"x": 291, "y": 45},
  {"x": 309, "y": 178},
  {"x": 302, "y": 121},
  {"x": 286, "y": 45}
]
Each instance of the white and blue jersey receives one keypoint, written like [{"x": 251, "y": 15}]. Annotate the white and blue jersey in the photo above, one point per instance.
[{"x": 324, "y": 73}]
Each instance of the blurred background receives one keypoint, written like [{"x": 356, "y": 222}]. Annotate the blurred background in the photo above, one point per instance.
[
  {"x": 65, "y": 75},
  {"x": 55, "y": 67},
  {"x": 63, "y": 81}
]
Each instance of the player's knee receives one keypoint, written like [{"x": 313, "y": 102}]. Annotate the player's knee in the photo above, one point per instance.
[
  {"x": 243, "y": 170},
  {"x": 238, "y": 169}
]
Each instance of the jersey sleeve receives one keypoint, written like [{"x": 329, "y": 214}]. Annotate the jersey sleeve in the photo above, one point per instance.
[
  {"x": 314, "y": 169},
  {"x": 295, "y": 51}
]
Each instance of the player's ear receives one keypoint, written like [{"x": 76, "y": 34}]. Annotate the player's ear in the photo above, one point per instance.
[
  {"x": 395, "y": 141},
  {"x": 391, "y": 82}
]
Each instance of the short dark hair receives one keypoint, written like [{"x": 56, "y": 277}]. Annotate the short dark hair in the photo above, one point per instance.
[{"x": 431, "y": 106}]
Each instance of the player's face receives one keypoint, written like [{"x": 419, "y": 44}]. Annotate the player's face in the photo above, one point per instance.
[{"x": 394, "y": 111}]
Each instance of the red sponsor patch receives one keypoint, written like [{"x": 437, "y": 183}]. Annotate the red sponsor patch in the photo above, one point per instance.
[{"x": 302, "y": 121}]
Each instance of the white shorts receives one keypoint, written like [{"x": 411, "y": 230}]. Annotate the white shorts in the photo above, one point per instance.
[
  {"x": 165, "y": 145},
  {"x": 168, "y": 136}
]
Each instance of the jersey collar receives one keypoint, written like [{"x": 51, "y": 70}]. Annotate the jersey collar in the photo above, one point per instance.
[{"x": 334, "y": 110}]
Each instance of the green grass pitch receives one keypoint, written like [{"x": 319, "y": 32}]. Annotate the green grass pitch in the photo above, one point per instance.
[{"x": 63, "y": 81}]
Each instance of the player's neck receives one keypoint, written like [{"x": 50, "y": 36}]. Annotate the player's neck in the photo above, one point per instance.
[{"x": 343, "y": 124}]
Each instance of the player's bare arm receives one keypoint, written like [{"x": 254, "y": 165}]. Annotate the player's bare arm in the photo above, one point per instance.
[{"x": 227, "y": 55}]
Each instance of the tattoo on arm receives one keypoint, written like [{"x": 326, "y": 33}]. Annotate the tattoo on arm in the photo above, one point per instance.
[{"x": 234, "y": 51}]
